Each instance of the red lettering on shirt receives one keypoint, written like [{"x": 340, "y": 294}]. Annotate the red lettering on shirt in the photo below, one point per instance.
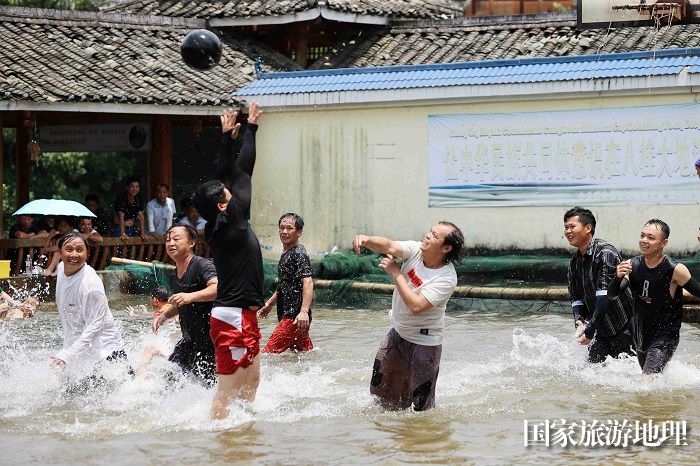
[{"x": 414, "y": 278}]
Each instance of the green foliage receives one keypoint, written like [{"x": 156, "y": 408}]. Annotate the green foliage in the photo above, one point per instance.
[
  {"x": 72, "y": 175},
  {"x": 85, "y": 5},
  {"x": 67, "y": 175}
]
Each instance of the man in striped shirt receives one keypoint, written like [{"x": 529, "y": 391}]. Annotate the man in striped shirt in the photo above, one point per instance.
[{"x": 602, "y": 324}]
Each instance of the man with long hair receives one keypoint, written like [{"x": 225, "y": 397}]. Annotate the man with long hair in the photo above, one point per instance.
[{"x": 408, "y": 361}]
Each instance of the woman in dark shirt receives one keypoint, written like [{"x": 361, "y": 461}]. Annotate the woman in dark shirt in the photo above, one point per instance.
[{"x": 128, "y": 210}]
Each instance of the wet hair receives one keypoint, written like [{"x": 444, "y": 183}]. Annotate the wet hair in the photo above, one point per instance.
[
  {"x": 661, "y": 225},
  {"x": 455, "y": 239},
  {"x": 160, "y": 293},
  {"x": 585, "y": 217},
  {"x": 191, "y": 232},
  {"x": 298, "y": 221},
  {"x": 132, "y": 179},
  {"x": 71, "y": 235},
  {"x": 206, "y": 198},
  {"x": 91, "y": 197},
  {"x": 163, "y": 185}
]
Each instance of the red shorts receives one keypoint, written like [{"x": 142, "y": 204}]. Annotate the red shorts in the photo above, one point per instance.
[
  {"x": 234, "y": 347},
  {"x": 287, "y": 335}
]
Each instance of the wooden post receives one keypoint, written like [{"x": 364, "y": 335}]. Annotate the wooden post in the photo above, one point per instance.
[
  {"x": 22, "y": 175},
  {"x": 302, "y": 44},
  {"x": 160, "y": 161}
]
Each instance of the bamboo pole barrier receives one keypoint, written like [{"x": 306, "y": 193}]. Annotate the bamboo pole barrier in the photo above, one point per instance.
[
  {"x": 122, "y": 261},
  {"x": 545, "y": 294},
  {"x": 480, "y": 292}
]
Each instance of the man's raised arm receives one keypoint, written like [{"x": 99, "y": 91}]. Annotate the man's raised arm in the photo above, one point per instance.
[
  {"x": 246, "y": 159},
  {"x": 224, "y": 161},
  {"x": 378, "y": 244}
]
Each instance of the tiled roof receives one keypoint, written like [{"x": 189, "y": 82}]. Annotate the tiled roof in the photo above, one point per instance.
[
  {"x": 399, "y": 8},
  {"x": 470, "y": 39},
  {"x": 207, "y": 9},
  {"x": 67, "y": 56},
  {"x": 251, "y": 8},
  {"x": 514, "y": 71}
]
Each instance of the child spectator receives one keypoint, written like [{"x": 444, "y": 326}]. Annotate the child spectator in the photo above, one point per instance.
[
  {"x": 24, "y": 229},
  {"x": 88, "y": 231},
  {"x": 193, "y": 219}
]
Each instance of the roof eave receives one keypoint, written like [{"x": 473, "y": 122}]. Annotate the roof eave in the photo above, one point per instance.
[
  {"x": 585, "y": 88},
  {"x": 484, "y": 63},
  {"x": 308, "y": 15},
  {"x": 97, "y": 107}
]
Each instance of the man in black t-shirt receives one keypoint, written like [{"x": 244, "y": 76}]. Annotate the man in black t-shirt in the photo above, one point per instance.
[
  {"x": 657, "y": 284},
  {"x": 225, "y": 204},
  {"x": 295, "y": 290},
  {"x": 194, "y": 284}
]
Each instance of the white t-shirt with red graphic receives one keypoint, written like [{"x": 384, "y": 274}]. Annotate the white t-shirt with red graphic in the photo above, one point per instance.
[{"x": 436, "y": 285}]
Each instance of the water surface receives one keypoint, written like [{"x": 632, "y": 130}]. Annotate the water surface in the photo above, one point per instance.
[{"x": 499, "y": 368}]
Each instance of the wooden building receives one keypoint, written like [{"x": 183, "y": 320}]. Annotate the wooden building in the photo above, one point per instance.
[
  {"x": 122, "y": 65},
  {"x": 71, "y": 69}
]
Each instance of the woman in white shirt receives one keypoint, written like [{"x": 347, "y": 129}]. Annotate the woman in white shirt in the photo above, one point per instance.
[{"x": 90, "y": 333}]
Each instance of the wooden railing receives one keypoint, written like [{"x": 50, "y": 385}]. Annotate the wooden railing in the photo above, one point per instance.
[{"x": 150, "y": 249}]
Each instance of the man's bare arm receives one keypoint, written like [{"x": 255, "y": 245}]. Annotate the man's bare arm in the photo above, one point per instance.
[
  {"x": 415, "y": 302},
  {"x": 378, "y": 244}
]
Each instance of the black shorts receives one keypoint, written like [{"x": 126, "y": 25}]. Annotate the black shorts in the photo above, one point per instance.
[
  {"x": 602, "y": 347},
  {"x": 195, "y": 359},
  {"x": 659, "y": 352},
  {"x": 404, "y": 373}
]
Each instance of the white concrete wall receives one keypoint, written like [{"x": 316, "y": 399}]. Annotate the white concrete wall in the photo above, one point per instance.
[{"x": 365, "y": 170}]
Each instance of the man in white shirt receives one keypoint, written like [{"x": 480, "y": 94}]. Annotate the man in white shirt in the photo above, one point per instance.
[
  {"x": 160, "y": 212},
  {"x": 90, "y": 333},
  {"x": 408, "y": 361}
]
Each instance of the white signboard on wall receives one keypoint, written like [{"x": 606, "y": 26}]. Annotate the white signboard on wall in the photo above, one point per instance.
[
  {"x": 95, "y": 138},
  {"x": 642, "y": 155}
]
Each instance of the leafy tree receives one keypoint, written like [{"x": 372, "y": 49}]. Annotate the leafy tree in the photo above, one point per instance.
[
  {"x": 72, "y": 175},
  {"x": 69, "y": 175}
]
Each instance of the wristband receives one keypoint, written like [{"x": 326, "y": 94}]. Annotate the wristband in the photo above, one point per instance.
[{"x": 693, "y": 287}]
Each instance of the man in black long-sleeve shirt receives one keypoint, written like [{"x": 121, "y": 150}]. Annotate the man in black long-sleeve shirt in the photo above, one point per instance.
[
  {"x": 598, "y": 319},
  {"x": 225, "y": 204}
]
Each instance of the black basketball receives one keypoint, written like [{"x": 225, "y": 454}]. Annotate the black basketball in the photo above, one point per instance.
[{"x": 201, "y": 49}]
